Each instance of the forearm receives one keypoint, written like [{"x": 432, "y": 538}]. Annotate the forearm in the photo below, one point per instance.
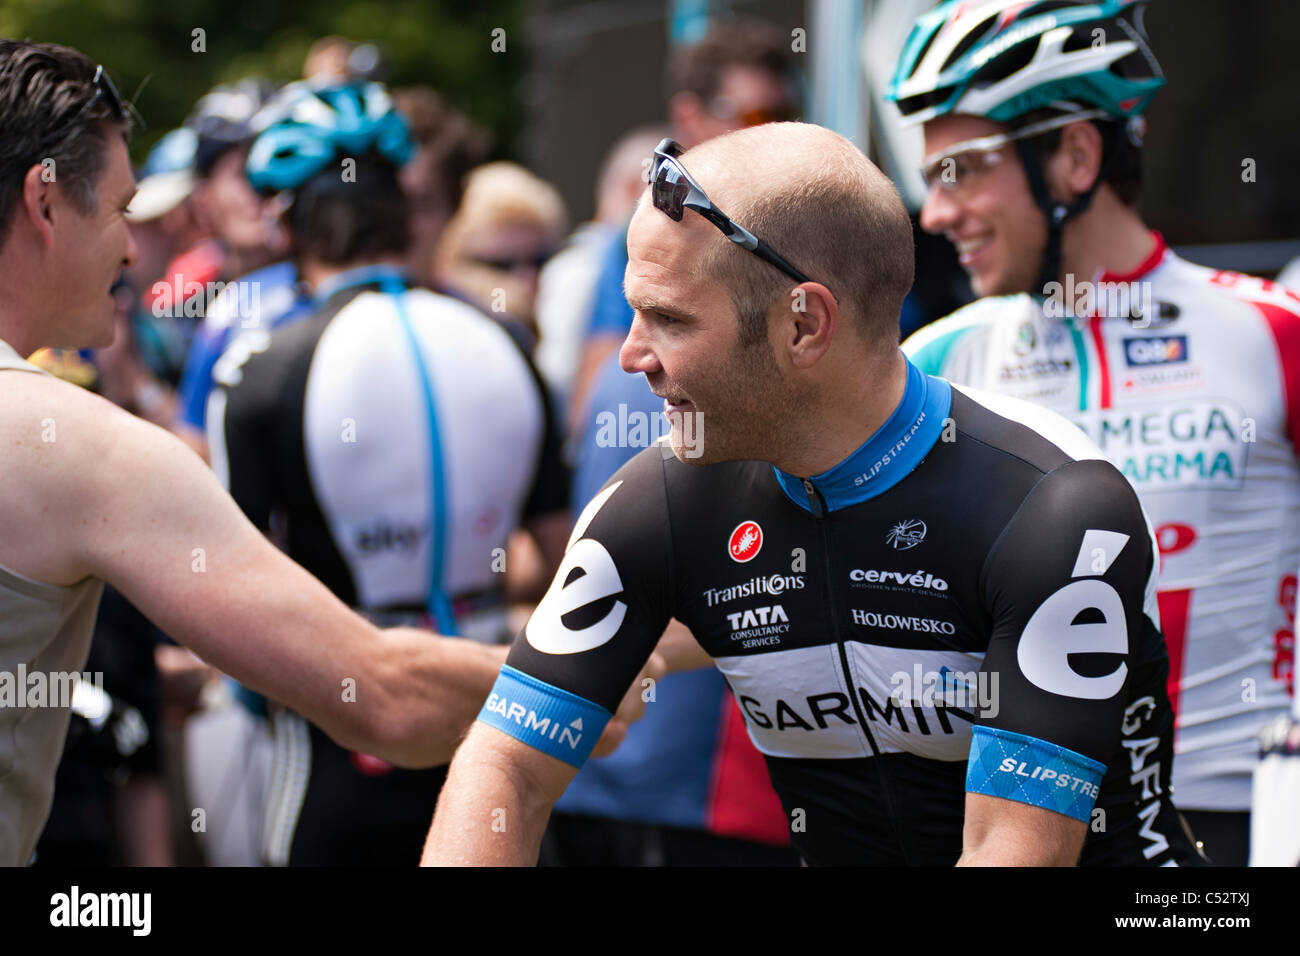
[{"x": 491, "y": 812}]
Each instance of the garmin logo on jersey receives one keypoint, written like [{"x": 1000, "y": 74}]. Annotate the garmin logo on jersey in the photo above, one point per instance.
[
  {"x": 388, "y": 537},
  {"x": 745, "y": 542},
  {"x": 585, "y": 580},
  {"x": 759, "y": 626},
  {"x": 1155, "y": 351},
  {"x": 1047, "y": 774},
  {"x": 898, "y": 580},
  {"x": 812, "y": 712},
  {"x": 527, "y": 718},
  {"x": 898, "y": 622},
  {"x": 1140, "y": 747},
  {"x": 906, "y": 534},
  {"x": 773, "y": 584}
]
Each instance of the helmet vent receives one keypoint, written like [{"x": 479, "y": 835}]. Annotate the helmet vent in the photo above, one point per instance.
[
  {"x": 969, "y": 40},
  {"x": 914, "y": 104}
]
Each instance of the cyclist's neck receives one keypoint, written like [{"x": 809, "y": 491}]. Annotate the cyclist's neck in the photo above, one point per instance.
[
  {"x": 1109, "y": 238},
  {"x": 838, "y": 419}
]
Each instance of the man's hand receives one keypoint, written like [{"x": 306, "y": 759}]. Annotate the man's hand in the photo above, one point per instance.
[{"x": 1000, "y": 832}]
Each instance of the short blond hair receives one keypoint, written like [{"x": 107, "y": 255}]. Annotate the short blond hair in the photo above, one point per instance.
[{"x": 503, "y": 193}]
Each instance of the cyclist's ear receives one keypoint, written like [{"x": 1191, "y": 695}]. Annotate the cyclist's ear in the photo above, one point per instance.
[
  {"x": 1075, "y": 165},
  {"x": 806, "y": 321}
]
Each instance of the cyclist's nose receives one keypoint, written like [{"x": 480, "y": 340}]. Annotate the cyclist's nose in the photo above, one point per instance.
[
  {"x": 940, "y": 211},
  {"x": 637, "y": 355}
]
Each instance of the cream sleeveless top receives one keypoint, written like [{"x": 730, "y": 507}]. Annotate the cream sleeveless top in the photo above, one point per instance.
[{"x": 44, "y": 639}]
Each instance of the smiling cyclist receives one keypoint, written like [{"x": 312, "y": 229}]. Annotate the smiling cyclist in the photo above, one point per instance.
[{"x": 1187, "y": 377}]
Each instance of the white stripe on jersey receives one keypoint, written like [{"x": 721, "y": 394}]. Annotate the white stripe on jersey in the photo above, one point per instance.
[{"x": 367, "y": 441}]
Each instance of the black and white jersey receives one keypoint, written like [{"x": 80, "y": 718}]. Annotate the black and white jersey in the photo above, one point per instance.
[
  {"x": 966, "y": 603},
  {"x": 397, "y": 435}
]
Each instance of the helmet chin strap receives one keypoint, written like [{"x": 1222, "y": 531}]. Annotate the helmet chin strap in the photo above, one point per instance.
[{"x": 1057, "y": 214}]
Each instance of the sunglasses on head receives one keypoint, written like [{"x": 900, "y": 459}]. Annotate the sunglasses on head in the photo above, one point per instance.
[
  {"x": 105, "y": 89},
  {"x": 672, "y": 190}
]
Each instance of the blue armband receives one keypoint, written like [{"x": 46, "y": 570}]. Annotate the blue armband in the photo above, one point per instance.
[
  {"x": 551, "y": 720},
  {"x": 1033, "y": 771}
]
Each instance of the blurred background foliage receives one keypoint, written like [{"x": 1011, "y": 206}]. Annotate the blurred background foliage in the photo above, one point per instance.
[{"x": 147, "y": 45}]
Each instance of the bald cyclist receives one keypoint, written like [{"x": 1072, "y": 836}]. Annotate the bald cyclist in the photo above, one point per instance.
[
  {"x": 888, "y": 571},
  {"x": 92, "y": 494}
]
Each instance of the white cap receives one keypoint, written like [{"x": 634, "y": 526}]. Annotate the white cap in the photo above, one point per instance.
[{"x": 159, "y": 194}]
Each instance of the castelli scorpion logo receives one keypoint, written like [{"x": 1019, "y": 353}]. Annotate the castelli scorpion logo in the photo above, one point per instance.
[{"x": 745, "y": 541}]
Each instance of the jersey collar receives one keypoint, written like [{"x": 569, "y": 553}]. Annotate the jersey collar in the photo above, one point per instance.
[
  {"x": 888, "y": 456},
  {"x": 382, "y": 275},
  {"x": 1146, "y": 265}
]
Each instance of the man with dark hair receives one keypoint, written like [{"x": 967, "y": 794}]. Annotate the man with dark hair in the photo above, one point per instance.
[
  {"x": 903, "y": 659},
  {"x": 447, "y": 146},
  {"x": 1188, "y": 377},
  {"x": 93, "y": 494}
]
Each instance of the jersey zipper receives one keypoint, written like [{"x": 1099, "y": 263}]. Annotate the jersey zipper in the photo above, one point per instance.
[{"x": 819, "y": 510}]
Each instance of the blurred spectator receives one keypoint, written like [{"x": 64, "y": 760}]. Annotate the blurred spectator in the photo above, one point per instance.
[
  {"x": 236, "y": 229},
  {"x": 491, "y": 253},
  {"x": 567, "y": 283},
  {"x": 739, "y": 75},
  {"x": 447, "y": 445},
  {"x": 327, "y": 60},
  {"x": 448, "y": 146}
]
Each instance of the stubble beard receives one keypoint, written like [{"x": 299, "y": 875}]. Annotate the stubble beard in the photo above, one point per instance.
[{"x": 748, "y": 412}]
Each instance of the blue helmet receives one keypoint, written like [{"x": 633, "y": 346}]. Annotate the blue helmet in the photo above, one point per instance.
[{"x": 308, "y": 129}]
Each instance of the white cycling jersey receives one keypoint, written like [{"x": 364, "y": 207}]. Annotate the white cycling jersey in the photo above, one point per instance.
[{"x": 1189, "y": 380}]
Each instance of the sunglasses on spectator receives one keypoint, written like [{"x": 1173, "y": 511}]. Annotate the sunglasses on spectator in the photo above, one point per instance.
[
  {"x": 509, "y": 265},
  {"x": 963, "y": 164},
  {"x": 672, "y": 190},
  {"x": 725, "y": 109}
]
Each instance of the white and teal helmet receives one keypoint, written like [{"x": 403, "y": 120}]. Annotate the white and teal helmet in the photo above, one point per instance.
[{"x": 1001, "y": 59}]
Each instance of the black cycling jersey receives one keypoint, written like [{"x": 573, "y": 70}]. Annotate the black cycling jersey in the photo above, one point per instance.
[
  {"x": 967, "y": 603},
  {"x": 393, "y": 438}
]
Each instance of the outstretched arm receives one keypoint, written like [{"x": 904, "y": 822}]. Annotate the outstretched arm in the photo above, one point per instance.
[{"x": 135, "y": 507}]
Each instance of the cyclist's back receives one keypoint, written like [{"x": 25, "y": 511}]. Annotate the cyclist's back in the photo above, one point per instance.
[{"x": 391, "y": 440}]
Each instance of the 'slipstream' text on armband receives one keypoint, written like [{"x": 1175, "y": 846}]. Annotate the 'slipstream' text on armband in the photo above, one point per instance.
[{"x": 1033, "y": 771}]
